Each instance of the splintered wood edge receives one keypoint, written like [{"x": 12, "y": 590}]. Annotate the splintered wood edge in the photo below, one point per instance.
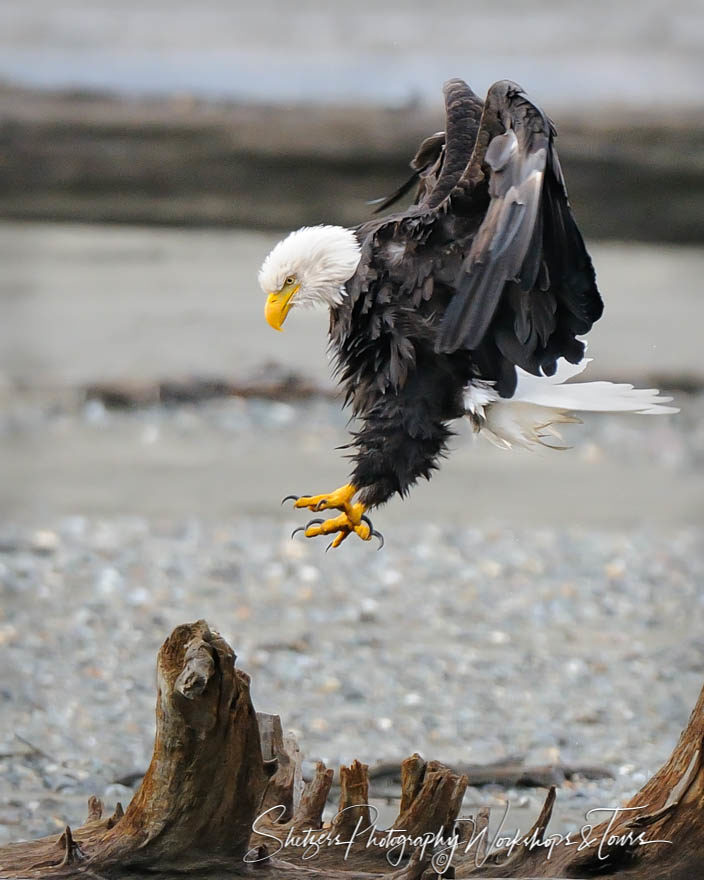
[
  {"x": 354, "y": 796},
  {"x": 309, "y": 812},
  {"x": 412, "y": 772}
]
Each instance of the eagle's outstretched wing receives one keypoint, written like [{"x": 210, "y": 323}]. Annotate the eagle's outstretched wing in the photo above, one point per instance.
[
  {"x": 527, "y": 284},
  {"x": 490, "y": 248}
]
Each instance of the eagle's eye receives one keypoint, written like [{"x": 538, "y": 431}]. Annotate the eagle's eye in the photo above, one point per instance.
[{"x": 290, "y": 281}]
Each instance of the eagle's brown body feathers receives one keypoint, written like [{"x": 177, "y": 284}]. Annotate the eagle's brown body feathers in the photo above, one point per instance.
[{"x": 487, "y": 271}]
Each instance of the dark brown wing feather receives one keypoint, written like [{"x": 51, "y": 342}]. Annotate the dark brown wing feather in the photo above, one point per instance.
[
  {"x": 527, "y": 274},
  {"x": 441, "y": 158},
  {"x": 463, "y": 110}
]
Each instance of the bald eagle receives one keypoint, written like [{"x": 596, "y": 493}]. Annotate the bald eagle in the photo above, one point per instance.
[{"x": 469, "y": 304}]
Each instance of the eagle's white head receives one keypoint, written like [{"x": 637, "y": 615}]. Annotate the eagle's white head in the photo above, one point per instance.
[{"x": 308, "y": 267}]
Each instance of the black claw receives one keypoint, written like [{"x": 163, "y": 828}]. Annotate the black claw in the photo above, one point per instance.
[
  {"x": 372, "y": 532},
  {"x": 299, "y": 529},
  {"x": 329, "y": 545},
  {"x": 290, "y": 498},
  {"x": 313, "y": 522},
  {"x": 319, "y": 505}
]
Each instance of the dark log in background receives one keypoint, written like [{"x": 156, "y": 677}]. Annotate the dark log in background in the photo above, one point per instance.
[
  {"x": 217, "y": 768},
  {"x": 180, "y": 161}
]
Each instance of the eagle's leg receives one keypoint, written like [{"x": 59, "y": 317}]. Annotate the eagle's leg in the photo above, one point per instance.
[{"x": 340, "y": 499}]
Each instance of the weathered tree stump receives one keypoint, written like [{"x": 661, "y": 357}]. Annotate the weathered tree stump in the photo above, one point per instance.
[{"x": 224, "y": 790}]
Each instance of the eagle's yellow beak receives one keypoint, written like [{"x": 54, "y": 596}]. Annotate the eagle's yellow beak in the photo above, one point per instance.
[{"x": 278, "y": 306}]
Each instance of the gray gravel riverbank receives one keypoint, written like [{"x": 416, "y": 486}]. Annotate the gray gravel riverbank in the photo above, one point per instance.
[
  {"x": 469, "y": 646},
  {"x": 545, "y": 633}
]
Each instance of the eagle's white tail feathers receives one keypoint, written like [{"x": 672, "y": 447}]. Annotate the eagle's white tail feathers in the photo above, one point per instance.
[
  {"x": 540, "y": 402},
  {"x": 510, "y": 423}
]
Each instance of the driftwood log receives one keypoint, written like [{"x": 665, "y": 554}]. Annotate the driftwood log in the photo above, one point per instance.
[{"x": 224, "y": 791}]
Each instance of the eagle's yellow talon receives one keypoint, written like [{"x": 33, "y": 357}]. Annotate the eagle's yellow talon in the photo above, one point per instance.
[
  {"x": 328, "y": 526},
  {"x": 352, "y": 518},
  {"x": 337, "y": 540},
  {"x": 363, "y": 530},
  {"x": 339, "y": 499}
]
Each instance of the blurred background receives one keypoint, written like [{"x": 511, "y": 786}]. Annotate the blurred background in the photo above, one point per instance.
[{"x": 546, "y": 606}]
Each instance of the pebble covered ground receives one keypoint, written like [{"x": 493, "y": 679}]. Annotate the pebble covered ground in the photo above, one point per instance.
[{"x": 465, "y": 644}]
